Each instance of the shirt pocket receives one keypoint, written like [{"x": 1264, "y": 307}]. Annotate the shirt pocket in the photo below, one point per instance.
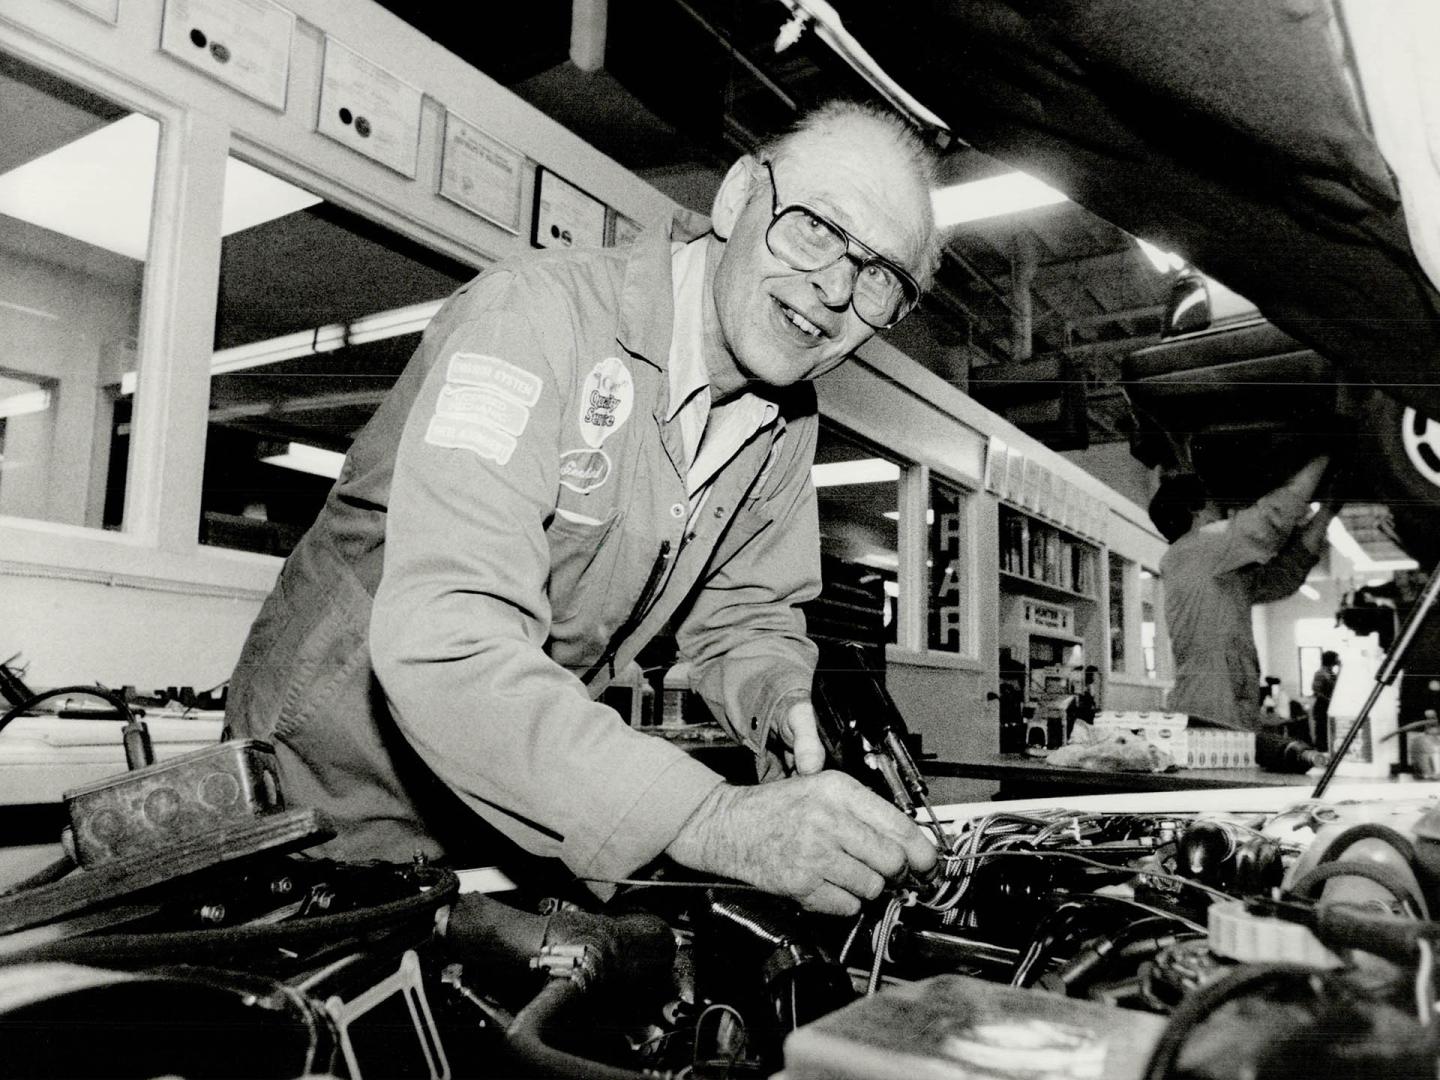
[{"x": 580, "y": 548}]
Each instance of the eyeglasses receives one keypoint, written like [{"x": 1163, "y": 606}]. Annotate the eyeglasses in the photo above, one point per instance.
[{"x": 882, "y": 294}]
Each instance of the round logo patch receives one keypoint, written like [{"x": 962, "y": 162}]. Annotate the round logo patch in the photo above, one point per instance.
[
  {"x": 605, "y": 401},
  {"x": 583, "y": 471}
]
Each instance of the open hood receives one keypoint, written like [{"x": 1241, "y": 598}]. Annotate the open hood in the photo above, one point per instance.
[{"x": 1229, "y": 131}]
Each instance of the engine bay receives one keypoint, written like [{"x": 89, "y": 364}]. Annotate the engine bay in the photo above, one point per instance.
[{"x": 1054, "y": 941}]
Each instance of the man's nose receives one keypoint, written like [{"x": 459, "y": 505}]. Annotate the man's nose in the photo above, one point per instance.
[{"x": 835, "y": 283}]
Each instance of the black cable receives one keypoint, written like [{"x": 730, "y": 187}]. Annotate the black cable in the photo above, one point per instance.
[
  {"x": 122, "y": 709},
  {"x": 441, "y": 886},
  {"x": 1197, "y": 1006}
]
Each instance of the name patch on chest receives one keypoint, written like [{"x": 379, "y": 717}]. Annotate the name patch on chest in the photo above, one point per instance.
[
  {"x": 606, "y": 399},
  {"x": 583, "y": 471}
]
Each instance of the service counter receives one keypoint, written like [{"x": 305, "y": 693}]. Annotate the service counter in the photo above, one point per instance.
[{"x": 1023, "y": 777}]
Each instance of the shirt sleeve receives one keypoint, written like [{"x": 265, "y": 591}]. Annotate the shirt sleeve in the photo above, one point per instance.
[
  {"x": 745, "y": 634},
  {"x": 461, "y": 616},
  {"x": 1259, "y": 532}
]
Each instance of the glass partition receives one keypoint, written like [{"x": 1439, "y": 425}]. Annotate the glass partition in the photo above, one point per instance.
[
  {"x": 859, "y": 490},
  {"x": 77, "y": 181},
  {"x": 318, "y": 312}
]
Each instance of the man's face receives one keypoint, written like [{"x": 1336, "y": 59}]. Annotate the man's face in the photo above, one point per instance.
[{"x": 780, "y": 325}]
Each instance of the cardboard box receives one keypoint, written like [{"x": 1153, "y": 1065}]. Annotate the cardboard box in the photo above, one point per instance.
[
  {"x": 1220, "y": 748},
  {"x": 1164, "y": 730}
]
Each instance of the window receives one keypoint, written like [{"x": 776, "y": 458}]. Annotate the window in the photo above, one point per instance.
[
  {"x": 1118, "y": 570},
  {"x": 858, "y": 490},
  {"x": 318, "y": 312},
  {"x": 77, "y": 181},
  {"x": 1149, "y": 613}
]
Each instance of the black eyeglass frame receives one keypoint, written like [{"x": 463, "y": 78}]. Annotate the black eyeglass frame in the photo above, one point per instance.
[{"x": 909, "y": 287}]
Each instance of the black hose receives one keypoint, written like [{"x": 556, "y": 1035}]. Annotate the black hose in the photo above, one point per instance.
[
  {"x": 1196, "y": 1007},
  {"x": 534, "y": 1024},
  {"x": 1309, "y": 886}
]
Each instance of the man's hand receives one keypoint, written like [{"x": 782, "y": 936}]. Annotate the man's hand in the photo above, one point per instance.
[
  {"x": 800, "y": 731},
  {"x": 824, "y": 840}
]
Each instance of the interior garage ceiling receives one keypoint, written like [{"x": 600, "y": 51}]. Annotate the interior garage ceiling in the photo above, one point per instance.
[{"x": 686, "y": 85}]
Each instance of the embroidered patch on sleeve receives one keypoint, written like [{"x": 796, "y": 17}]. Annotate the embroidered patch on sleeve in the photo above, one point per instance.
[
  {"x": 605, "y": 400},
  {"x": 479, "y": 438},
  {"x": 484, "y": 405},
  {"x": 477, "y": 369}
]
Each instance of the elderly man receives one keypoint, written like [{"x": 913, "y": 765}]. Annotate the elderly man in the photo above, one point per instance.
[{"x": 586, "y": 447}]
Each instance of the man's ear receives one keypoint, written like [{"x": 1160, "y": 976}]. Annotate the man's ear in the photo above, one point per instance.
[{"x": 731, "y": 198}]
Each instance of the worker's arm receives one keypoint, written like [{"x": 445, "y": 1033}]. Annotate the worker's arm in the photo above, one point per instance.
[
  {"x": 744, "y": 634},
  {"x": 1286, "y": 572},
  {"x": 1259, "y": 532}
]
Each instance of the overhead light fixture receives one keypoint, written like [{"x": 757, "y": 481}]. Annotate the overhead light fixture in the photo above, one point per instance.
[
  {"x": 100, "y": 189},
  {"x": 22, "y": 404},
  {"x": 974, "y": 200},
  {"x": 880, "y": 560},
  {"x": 1309, "y": 592},
  {"x": 305, "y": 458},
  {"x": 860, "y": 471},
  {"x": 1341, "y": 540},
  {"x": 1164, "y": 261},
  {"x": 894, "y": 515},
  {"x": 393, "y": 323}
]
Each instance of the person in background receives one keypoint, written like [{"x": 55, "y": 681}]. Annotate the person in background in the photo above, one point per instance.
[
  {"x": 1322, "y": 686},
  {"x": 1218, "y": 566},
  {"x": 590, "y": 446}
]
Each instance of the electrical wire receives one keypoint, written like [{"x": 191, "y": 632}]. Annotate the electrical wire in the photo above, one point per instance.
[
  {"x": 109, "y": 696},
  {"x": 1157, "y": 874}
]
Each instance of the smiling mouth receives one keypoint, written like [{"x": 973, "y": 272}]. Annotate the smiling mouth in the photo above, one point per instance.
[{"x": 799, "y": 321}]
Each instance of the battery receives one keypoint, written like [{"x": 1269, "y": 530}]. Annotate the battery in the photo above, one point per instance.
[{"x": 174, "y": 802}]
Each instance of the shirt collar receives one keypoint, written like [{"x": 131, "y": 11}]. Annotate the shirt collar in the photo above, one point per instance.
[{"x": 688, "y": 374}]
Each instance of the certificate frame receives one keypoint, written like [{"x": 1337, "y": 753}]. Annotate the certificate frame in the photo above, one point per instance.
[
  {"x": 242, "y": 44},
  {"x": 462, "y": 176},
  {"x": 564, "y": 214}
]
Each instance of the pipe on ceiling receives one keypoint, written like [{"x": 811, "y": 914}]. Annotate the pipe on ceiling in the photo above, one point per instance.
[{"x": 588, "y": 20}]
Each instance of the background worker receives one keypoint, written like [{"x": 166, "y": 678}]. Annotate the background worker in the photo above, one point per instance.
[{"x": 1216, "y": 569}]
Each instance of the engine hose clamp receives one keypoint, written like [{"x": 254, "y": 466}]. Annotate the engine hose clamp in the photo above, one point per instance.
[{"x": 578, "y": 963}]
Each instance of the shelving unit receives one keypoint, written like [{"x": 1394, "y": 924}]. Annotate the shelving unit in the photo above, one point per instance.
[
  {"x": 1039, "y": 553},
  {"x": 1051, "y": 615}
]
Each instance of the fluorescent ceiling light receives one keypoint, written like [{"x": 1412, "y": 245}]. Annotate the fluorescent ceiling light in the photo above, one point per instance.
[
  {"x": 31, "y": 401},
  {"x": 862, "y": 471},
  {"x": 1341, "y": 540},
  {"x": 1163, "y": 261},
  {"x": 100, "y": 188},
  {"x": 97, "y": 189},
  {"x": 1009, "y": 193},
  {"x": 1309, "y": 592},
  {"x": 308, "y": 459},
  {"x": 253, "y": 197},
  {"x": 880, "y": 560},
  {"x": 383, "y": 324},
  {"x": 894, "y": 515},
  {"x": 393, "y": 323}
]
